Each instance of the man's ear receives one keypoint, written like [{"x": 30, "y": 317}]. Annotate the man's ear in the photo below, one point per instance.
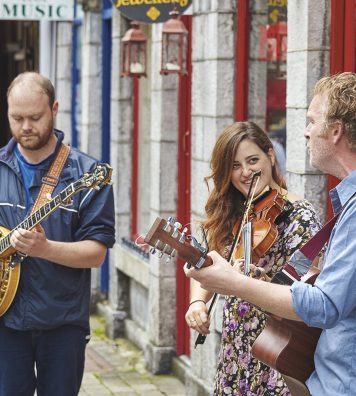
[
  {"x": 337, "y": 131},
  {"x": 55, "y": 108}
]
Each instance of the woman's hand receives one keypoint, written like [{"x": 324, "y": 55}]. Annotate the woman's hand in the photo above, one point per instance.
[
  {"x": 197, "y": 317},
  {"x": 260, "y": 273},
  {"x": 257, "y": 272}
]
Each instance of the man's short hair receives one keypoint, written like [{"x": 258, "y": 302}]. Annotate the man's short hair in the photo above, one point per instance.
[
  {"x": 43, "y": 82},
  {"x": 341, "y": 93}
]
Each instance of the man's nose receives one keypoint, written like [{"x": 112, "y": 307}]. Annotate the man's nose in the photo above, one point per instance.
[
  {"x": 26, "y": 125},
  {"x": 307, "y": 131}
]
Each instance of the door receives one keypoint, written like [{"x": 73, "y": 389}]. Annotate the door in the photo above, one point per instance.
[{"x": 19, "y": 52}]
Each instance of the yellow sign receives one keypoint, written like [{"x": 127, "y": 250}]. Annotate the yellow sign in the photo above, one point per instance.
[
  {"x": 150, "y": 11},
  {"x": 120, "y": 3},
  {"x": 153, "y": 13}
]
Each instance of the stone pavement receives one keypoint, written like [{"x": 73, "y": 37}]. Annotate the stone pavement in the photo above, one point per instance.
[{"x": 117, "y": 367}]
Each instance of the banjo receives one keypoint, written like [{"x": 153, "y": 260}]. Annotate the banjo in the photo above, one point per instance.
[{"x": 10, "y": 259}]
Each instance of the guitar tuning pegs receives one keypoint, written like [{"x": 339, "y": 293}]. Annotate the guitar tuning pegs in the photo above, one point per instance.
[
  {"x": 170, "y": 221},
  {"x": 152, "y": 250},
  {"x": 183, "y": 235},
  {"x": 161, "y": 254},
  {"x": 177, "y": 225},
  {"x": 168, "y": 259}
]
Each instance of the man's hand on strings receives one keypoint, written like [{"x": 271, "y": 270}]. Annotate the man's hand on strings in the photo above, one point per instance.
[{"x": 32, "y": 243}]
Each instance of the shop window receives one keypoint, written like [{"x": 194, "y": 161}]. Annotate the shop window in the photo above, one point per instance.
[{"x": 268, "y": 68}]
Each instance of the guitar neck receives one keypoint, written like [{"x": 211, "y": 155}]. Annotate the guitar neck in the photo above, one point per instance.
[{"x": 39, "y": 215}]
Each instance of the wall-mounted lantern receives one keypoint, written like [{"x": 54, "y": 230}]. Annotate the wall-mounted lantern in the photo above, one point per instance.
[
  {"x": 174, "y": 45},
  {"x": 134, "y": 52}
]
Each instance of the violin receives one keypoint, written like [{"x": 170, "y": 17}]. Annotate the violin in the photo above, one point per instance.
[
  {"x": 259, "y": 220},
  {"x": 262, "y": 216}
]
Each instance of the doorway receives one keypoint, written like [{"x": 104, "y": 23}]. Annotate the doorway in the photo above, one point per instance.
[{"x": 19, "y": 52}]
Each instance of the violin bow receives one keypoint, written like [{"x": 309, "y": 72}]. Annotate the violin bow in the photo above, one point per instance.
[
  {"x": 251, "y": 192},
  {"x": 247, "y": 246}
]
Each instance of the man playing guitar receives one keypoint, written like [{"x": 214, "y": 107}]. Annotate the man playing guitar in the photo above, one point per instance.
[{"x": 329, "y": 304}]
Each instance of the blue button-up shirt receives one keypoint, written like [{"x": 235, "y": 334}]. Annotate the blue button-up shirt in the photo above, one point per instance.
[{"x": 331, "y": 303}]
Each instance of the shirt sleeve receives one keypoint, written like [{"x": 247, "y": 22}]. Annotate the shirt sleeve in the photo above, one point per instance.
[
  {"x": 97, "y": 217},
  {"x": 333, "y": 295}
]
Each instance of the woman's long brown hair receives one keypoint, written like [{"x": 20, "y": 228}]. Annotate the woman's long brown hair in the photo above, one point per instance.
[{"x": 225, "y": 202}]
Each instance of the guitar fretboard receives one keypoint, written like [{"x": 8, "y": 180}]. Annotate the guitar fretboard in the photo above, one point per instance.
[{"x": 40, "y": 214}]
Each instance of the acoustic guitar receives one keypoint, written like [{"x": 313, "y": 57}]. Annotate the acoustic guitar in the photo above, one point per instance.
[
  {"x": 10, "y": 260},
  {"x": 287, "y": 346}
]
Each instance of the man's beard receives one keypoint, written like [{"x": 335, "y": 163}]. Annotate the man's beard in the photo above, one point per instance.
[{"x": 39, "y": 141}]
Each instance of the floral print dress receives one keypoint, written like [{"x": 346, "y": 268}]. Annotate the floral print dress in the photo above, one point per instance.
[{"x": 238, "y": 373}]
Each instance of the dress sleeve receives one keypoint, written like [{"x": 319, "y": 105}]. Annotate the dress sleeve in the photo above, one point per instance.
[
  {"x": 303, "y": 224},
  {"x": 293, "y": 232}
]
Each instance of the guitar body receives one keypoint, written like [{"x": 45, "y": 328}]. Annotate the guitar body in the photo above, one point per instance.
[
  {"x": 9, "y": 276},
  {"x": 288, "y": 346}
]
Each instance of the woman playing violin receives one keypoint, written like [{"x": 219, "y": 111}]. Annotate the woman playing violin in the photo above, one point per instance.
[{"x": 241, "y": 150}]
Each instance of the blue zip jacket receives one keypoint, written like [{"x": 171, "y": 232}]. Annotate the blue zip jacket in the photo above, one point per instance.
[{"x": 50, "y": 295}]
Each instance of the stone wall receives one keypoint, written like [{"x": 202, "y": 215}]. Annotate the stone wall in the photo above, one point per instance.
[{"x": 307, "y": 61}]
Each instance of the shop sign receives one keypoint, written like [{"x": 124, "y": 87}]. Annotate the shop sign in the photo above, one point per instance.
[
  {"x": 54, "y": 10},
  {"x": 277, "y": 11},
  {"x": 150, "y": 11},
  {"x": 273, "y": 36}
]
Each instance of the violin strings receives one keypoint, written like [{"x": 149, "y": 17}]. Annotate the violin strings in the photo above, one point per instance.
[{"x": 250, "y": 196}]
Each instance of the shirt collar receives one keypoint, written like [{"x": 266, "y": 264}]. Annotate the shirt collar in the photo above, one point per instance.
[{"x": 343, "y": 192}]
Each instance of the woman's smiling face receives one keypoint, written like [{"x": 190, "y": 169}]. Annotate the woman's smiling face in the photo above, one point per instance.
[{"x": 249, "y": 158}]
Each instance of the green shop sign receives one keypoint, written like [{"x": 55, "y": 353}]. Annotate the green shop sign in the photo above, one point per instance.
[
  {"x": 54, "y": 10},
  {"x": 150, "y": 11}
]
